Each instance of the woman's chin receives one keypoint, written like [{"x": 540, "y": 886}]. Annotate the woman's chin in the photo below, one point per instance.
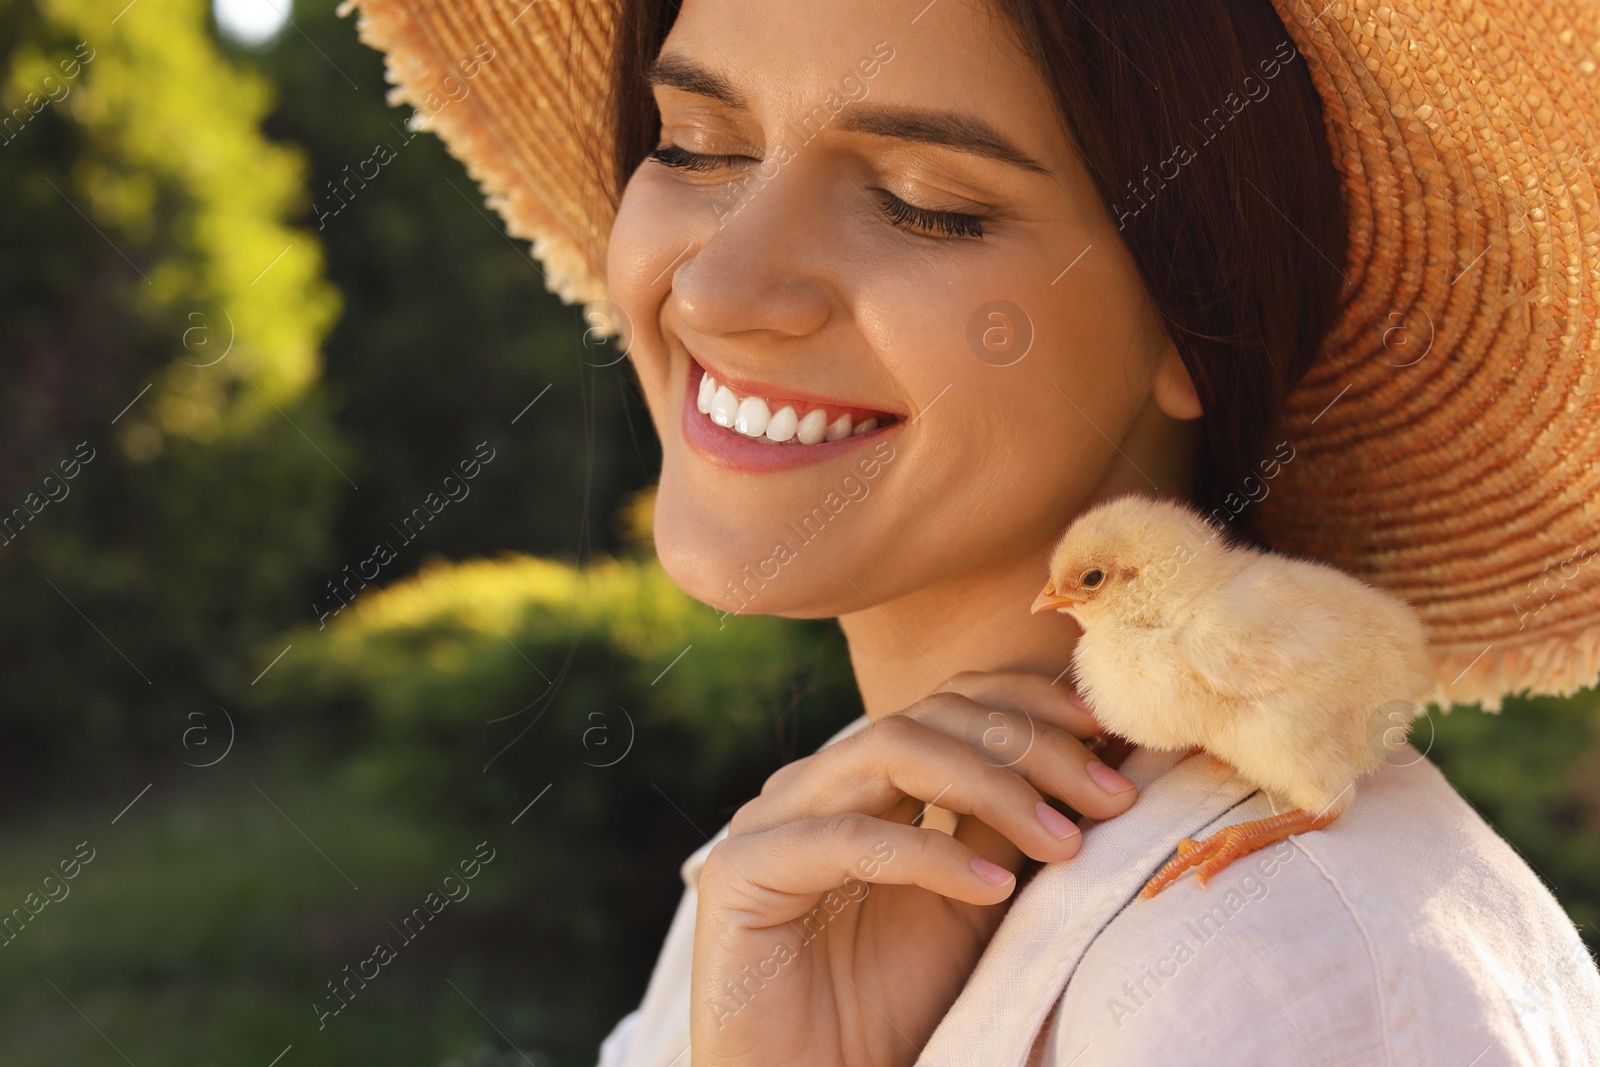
[
  {"x": 713, "y": 568},
  {"x": 715, "y": 565}
]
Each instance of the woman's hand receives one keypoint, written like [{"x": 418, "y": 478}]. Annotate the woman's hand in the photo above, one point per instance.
[{"x": 830, "y": 928}]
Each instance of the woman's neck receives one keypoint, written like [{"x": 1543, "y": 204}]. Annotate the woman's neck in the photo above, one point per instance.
[{"x": 904, "y": 649}]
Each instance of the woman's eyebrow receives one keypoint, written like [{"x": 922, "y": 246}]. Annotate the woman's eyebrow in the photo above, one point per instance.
[
  {"x": 946, "y": 129},
  {"x": 684, "y": 74}
]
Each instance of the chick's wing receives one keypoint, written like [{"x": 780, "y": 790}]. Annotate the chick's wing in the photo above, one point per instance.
[{"x": 1254, "y": 638}]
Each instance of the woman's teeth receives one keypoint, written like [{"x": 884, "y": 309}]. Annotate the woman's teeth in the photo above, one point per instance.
[{"x": 752, "y": 417}]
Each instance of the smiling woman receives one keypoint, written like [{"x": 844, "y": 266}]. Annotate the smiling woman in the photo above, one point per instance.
[{"x": 804, "y": 211}]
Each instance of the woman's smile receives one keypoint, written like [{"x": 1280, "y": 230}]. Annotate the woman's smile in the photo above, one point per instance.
[{"x": 741, "y": 425}]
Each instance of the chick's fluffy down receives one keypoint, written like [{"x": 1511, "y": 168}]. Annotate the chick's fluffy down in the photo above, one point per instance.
[{"x": 1290, "y": 670}]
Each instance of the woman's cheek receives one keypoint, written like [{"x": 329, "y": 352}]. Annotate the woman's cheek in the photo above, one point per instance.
[
  {"x": 637, "y": 235},
  {"x": 658, "y": 222}
]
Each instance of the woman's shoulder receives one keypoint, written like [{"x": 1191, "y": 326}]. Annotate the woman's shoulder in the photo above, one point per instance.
[{"x": 1407, "y": 932}]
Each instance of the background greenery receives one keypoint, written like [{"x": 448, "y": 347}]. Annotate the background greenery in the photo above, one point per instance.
[{"x": 307, "y": 388}]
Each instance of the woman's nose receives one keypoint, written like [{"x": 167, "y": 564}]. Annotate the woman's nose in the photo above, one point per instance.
[{"x": 766, "y": 263}]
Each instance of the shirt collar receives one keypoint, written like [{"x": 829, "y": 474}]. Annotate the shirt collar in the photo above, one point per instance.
[{"x": 1062, "y": 909}]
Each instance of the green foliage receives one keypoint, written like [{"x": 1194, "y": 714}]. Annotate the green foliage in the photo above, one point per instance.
[
  {"x": 447, "y": 333},
  {"x": 453, "y": 676},
  {"x": 632, "y": 718},
  {"x": 147, "y": 246}
]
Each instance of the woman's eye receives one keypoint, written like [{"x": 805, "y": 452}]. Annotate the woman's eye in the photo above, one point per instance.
[
  {"x": 928, "y": 223},
  {"x": 670, "y": 155},
  {"x": 901, "y": 214}
]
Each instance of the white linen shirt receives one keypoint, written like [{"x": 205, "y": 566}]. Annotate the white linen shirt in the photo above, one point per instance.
[{"x": 1408, "y": 932}]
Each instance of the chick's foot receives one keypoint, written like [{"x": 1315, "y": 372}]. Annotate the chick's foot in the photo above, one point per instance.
[{"x": 1228, "y": 844}]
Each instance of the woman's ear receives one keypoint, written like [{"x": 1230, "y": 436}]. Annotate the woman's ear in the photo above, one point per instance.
[{"x": 1174, "y": 389}]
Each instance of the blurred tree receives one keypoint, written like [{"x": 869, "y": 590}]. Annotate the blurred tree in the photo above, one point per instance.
[
  {"x": 167, "y": 468},
  {"x": 156, "y": 220},
  {"x": 447, "y": 333}
]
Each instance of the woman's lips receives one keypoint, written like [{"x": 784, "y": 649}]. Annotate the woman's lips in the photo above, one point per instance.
[{"x": 728, "y": 448}]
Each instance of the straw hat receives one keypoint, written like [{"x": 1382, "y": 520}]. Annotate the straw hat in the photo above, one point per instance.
[{"x": 1447, "y": 440}]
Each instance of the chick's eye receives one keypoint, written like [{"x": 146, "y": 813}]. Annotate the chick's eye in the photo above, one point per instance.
[{"x": 1092, "y": 578}]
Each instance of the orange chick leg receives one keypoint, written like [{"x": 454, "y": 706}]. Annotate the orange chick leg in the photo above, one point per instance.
[{"x": 1228, "y": 844}]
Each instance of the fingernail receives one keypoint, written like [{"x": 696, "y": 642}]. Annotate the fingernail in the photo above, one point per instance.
[
  {"x": 1107, "y": 779},
  {"x": 1059, "y": 826},
  {"x": 989, "y": 872},
  {"x": 1078, "y": 701}
]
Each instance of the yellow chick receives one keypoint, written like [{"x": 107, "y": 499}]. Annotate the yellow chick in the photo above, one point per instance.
[{"x": 1291, "y": 671}]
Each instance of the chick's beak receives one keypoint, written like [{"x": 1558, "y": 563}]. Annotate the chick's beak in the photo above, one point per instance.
[{"x": 1048, "y": 599}]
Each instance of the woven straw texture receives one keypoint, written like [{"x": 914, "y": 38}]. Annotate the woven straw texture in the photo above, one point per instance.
[{"x": 1447, "y": 441}]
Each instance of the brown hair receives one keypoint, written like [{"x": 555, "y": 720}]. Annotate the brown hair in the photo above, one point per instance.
[{"x": 1201, "y": 128}]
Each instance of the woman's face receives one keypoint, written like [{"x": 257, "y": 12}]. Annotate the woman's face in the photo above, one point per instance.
[{"x": 874, "y": 209}]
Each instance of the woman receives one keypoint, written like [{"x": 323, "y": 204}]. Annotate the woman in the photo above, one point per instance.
[{"x": 972, "y": 268}]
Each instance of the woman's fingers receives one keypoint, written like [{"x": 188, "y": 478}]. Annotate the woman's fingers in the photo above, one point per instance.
[
  {"x": 1053, "y": 701},
  {"x": 1034, "y": 728},
  {"x": 970, "y": 830},
  {"x": 1053, "y": 761},
  {"x": 988, "y": 842},
  {"x": 774, "y": 876},
  {"x": 898, "y": 756},
  {"x": 947, "y": 751}
]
